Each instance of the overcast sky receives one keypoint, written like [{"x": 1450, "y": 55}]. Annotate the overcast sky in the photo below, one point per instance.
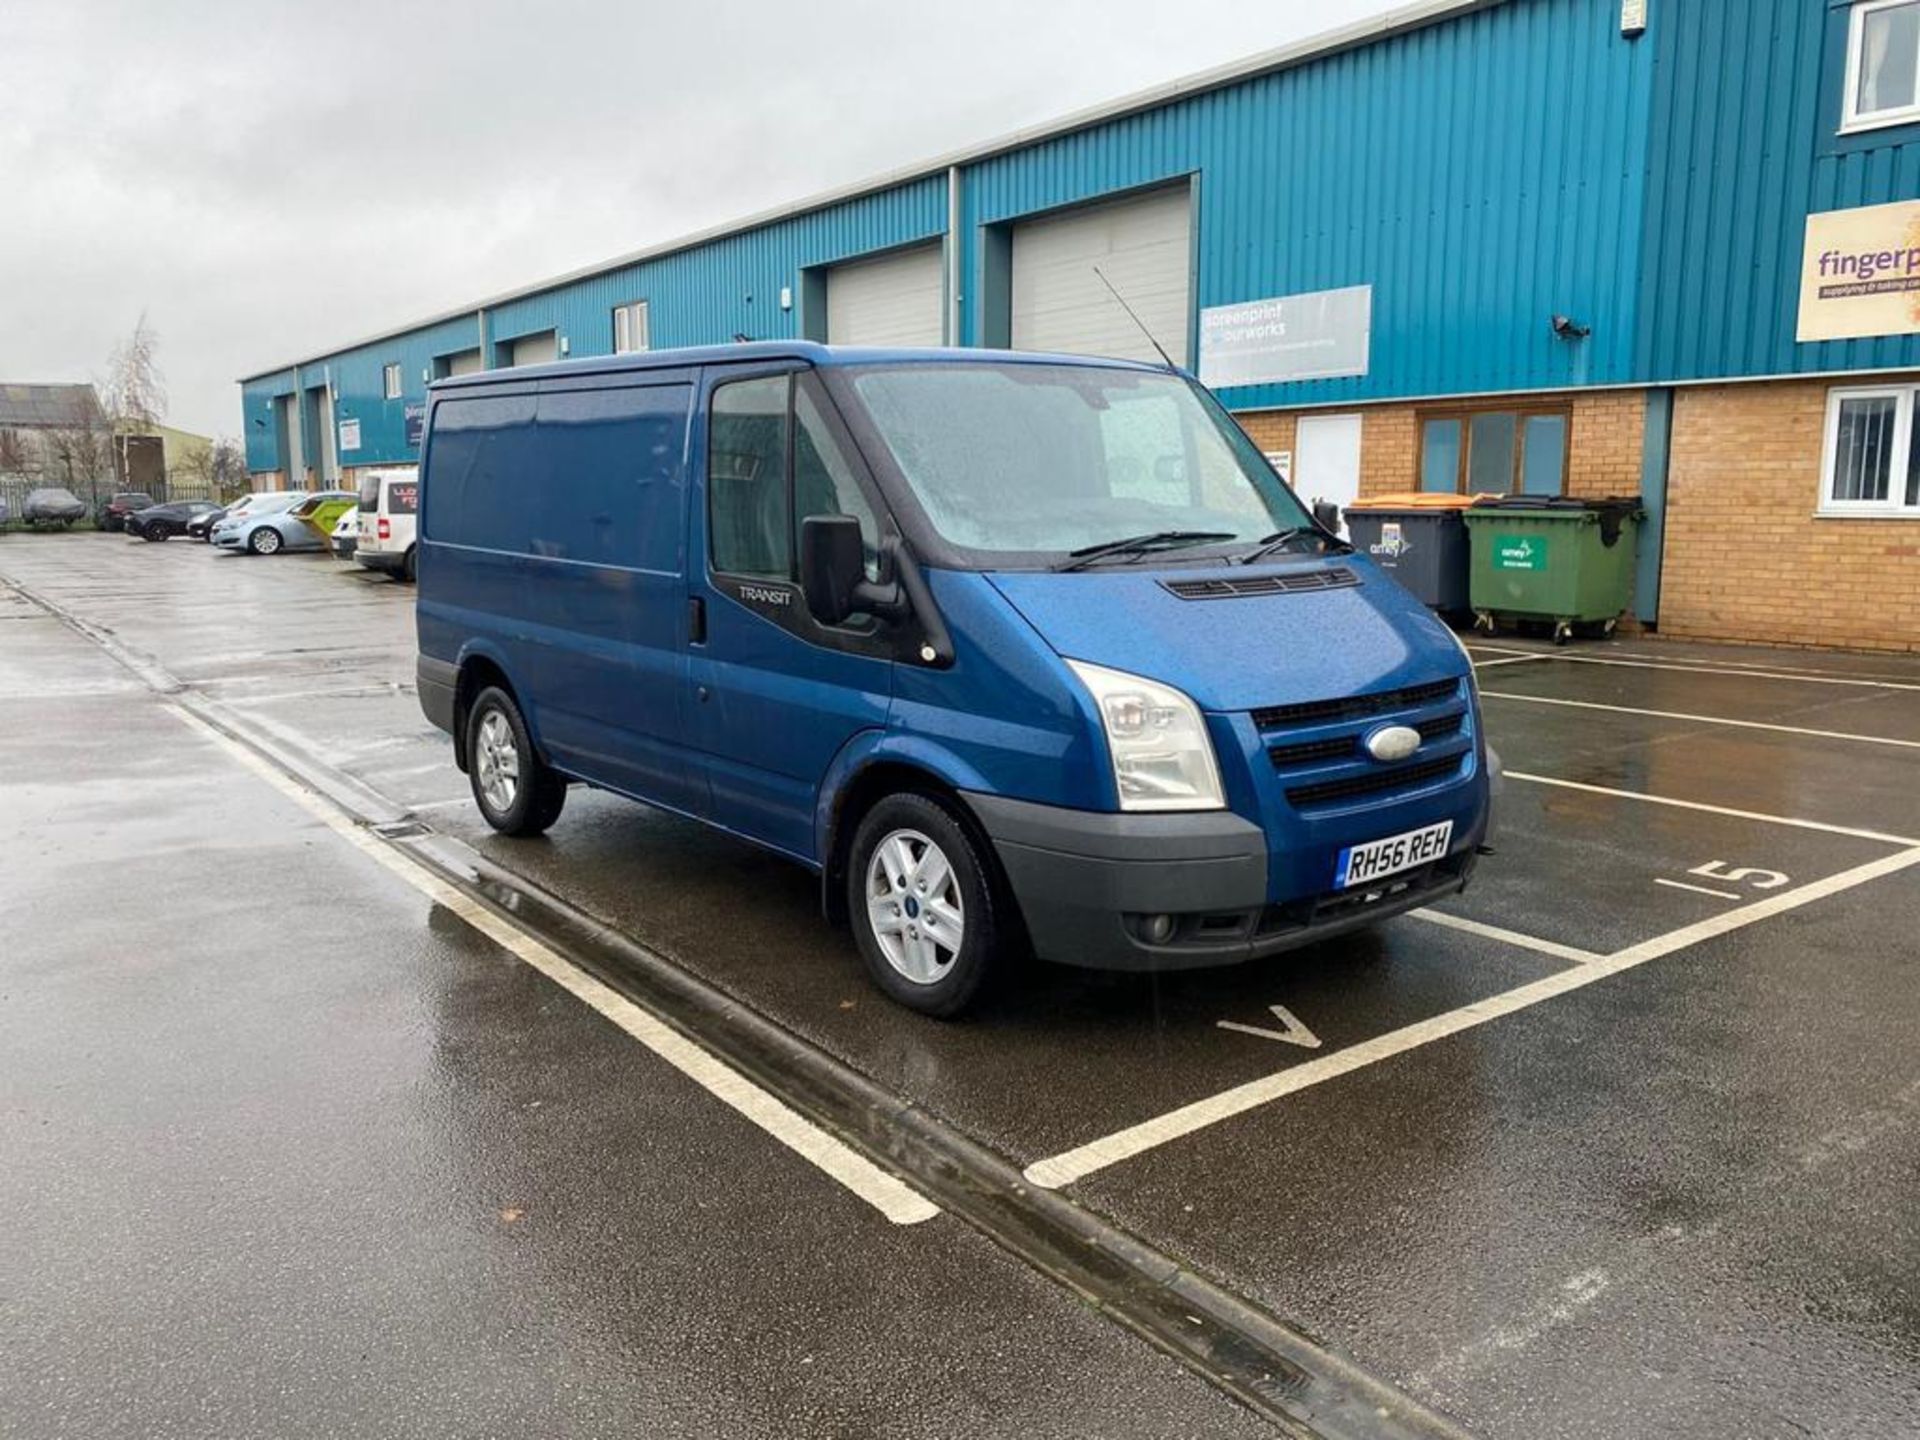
[{"x": 268, "y": 180}]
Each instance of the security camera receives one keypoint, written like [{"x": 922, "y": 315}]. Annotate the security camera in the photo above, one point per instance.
[{"x": 1568, "y": 328}]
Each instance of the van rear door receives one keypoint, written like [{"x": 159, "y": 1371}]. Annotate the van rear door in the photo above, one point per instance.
[{"x": 775, "y": 696}]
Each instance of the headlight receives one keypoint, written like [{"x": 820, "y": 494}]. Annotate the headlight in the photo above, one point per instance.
[{"x": 1162, "y": 758}]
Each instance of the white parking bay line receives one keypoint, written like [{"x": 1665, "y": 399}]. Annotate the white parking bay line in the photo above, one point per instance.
[
  {"x": 1506, "y": 937},
  {"x": 1794, "y": 821},
  {"x": 1076, "y": 1164},
  {"x": 888, "y": 1194},
  {"x": 1808, "y": 677},
  {"x": 1697, "y": 889},
  {"x": 1509, "y": 660},
  {"x": 1700, "y": 719}
]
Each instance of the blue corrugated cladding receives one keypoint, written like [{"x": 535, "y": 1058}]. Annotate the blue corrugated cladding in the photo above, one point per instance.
[
  {"x": 1745, "y": 144},
  {"x": 1482, "y": 174},
  {"x": 730, "y": 286},
  {"x": 700, "y": 296}
]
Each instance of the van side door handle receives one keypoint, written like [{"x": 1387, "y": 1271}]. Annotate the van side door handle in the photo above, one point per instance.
[{"x": 696, "y": 621}]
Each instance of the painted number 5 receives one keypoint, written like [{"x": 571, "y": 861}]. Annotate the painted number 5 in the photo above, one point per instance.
[{"x": 1745, "y": 875}]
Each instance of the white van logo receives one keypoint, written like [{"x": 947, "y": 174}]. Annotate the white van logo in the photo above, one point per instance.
[
  {"x": 1393, "y": 742},
  {"x": 760, "y": 595}
]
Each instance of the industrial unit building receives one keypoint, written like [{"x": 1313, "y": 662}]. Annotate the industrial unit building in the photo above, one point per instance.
[{"x": 1665, "y": 247}]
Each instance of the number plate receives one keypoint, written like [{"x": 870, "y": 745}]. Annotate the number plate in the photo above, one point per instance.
[{"x": 1362, "y": 864}]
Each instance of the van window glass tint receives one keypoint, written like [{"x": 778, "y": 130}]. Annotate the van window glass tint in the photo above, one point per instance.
[
  {"x": 403, "y": 497},
  {"x": 748, "y": 503},
  {"x": 592, "y": 476},
  {"x": 1024, "y": 459},
  {"x": 823, "y": 482}
]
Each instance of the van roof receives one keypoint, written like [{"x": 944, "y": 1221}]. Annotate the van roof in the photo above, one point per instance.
[{"x": 751, "y": 351}]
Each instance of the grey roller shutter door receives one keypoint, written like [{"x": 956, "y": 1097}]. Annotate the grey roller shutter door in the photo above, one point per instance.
[
  {"x": 1142, "y": 244},
  {"x": 896, "y": 299}
]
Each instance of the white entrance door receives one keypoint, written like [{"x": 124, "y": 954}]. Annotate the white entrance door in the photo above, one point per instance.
[{"x": 1326, "y": 461}]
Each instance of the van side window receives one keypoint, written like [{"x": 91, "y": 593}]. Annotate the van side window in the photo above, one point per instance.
[
  {"x": 748, "y": 506},
  {"x": 823, "y": 482}
]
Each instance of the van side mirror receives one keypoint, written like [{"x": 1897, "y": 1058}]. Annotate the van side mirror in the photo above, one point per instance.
[
  {"x": 833, "y": 569},
  {"x": 1327, "y": 514}
]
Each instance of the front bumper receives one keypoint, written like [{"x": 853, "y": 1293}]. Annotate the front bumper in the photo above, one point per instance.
[{"x": 1087, "y": 881}]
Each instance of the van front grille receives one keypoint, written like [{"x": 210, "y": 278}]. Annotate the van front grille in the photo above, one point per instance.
[
  {"x": 1347, "y": 747},
  {"x": 1376, "y": 782},
  {"x": 1355, "y": 707}
]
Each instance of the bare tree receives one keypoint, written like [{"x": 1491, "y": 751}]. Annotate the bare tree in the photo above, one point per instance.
[
  {"x": 135, "y": 389},
  {"x": 227, "y": 462},
  {"x": 78, "y": 458},
  {"x": 15, "y": 453}
]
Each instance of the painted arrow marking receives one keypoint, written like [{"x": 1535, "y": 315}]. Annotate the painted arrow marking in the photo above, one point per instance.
[{"x": 1292, "y": 1033}]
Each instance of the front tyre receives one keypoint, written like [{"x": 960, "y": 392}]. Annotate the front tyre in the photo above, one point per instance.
[
  {"x": 517, "y": 792},
  {"x": 410, "y": 566},
  {"x": 923, "y": 907},
  {"x": 264, "y": 541}
]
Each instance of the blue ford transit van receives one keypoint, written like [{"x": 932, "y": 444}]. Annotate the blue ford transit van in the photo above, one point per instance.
[{"x": 1023, "y": 654}]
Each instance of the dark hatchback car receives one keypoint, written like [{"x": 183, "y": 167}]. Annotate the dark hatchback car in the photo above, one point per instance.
[
  {"x": 113, "y": 514},
  {"x": 200, "y": 527},
  {"x": 162, "y": 522}
]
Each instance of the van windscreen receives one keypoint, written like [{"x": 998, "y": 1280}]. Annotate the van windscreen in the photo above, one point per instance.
[{"x": 1014, "y": 461}]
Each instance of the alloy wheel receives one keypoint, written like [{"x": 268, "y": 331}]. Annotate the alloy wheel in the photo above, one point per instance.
[{"x": 915, "y": 907}]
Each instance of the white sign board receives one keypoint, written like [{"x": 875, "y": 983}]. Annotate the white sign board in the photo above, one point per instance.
[
  {"x": 1319, "y": 336},
  {"x": 1282, "y": 462},
  {"x": 1860, "y": 275},
  {"x": 349, "y": 436}
]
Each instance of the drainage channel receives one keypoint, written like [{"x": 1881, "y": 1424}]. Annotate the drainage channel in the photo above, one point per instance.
[{"x": 1277, "y": 1371}]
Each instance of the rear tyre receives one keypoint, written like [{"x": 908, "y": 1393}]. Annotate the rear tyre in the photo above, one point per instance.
[
  {"x": 155, "y": 533},
  {"x": 922, "y": 903},
  {"x": 517, "y": 792},
  {"x": 264, "y": 541},
  {"x": 409, "y": 569}
]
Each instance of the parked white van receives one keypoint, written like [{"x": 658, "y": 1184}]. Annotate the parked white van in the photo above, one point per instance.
[{"x": 389, "y": 514}]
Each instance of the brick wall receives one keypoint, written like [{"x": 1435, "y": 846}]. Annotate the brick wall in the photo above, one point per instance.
[
  {"x": 1747, "y": 558},
  {"x": 1605, "y": 447}
]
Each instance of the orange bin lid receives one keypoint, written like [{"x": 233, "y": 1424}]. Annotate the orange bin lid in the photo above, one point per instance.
[{"x": 1415, "y": 500}]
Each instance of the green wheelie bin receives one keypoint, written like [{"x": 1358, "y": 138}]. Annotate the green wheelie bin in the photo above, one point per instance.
[{"x": 1563, "y": 561}]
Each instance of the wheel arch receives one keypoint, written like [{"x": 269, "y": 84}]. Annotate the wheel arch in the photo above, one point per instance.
[
  {"x": 873, "y": 766},
  {"x": 480, "y": 669}
]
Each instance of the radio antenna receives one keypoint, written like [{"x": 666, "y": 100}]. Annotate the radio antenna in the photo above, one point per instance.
[{"x": 1120, "y": 299}]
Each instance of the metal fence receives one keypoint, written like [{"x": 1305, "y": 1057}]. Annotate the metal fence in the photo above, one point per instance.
[{"x": 14, "y": 490}]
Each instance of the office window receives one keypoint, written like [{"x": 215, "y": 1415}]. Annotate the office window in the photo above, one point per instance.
[
  {"x": 1440, "y": 456},
  {"x": 1495, "y": 452},
  {"x": 1883, "y": 64},
  {"x": 1870, "y": 466},
  {"x": 630, "y": 328},
  {"x": 390, "y": 382}
]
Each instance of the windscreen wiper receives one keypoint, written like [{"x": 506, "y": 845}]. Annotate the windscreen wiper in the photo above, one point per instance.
[
  {"x": 1280, "y": 539},
  {"x": 1140, "y": 545}
]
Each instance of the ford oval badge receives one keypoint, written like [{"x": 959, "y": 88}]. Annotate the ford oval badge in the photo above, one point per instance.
[{"x": 1393, "y": 742}]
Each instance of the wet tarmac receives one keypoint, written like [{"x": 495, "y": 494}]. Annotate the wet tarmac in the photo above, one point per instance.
[{"x": 1666, "y": 1185}]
